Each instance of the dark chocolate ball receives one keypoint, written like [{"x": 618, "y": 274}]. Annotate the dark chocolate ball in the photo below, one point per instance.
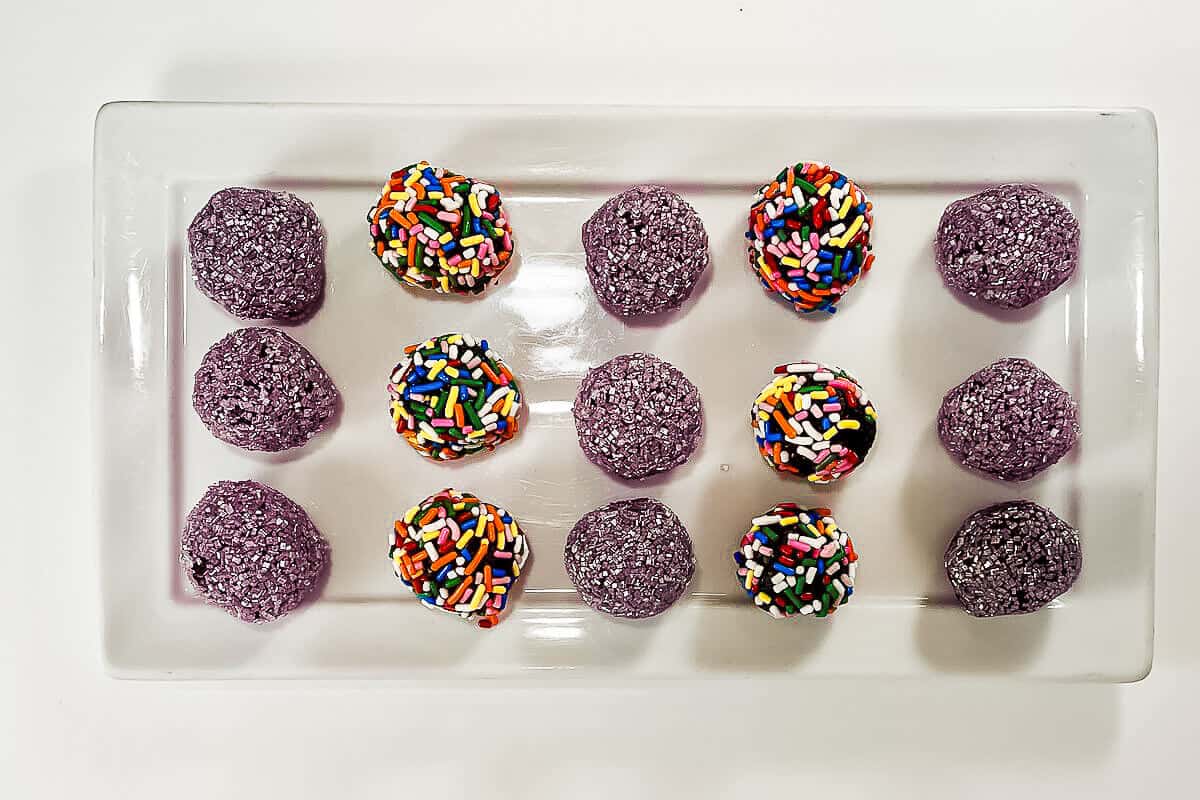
[
  {"x": 1012, "y": 558},
  {"x": 1009, "y": 246},
  {"x": 636, "y": 415},
  {"x": 630, "y": 558},
  {"x": 260, "y": 389},
  {"x": 646, "y": 249},
  {"x": 1009, "y": 419},
  {"x": 249, "y": 549},
  {"x": 258, "y": 253}
]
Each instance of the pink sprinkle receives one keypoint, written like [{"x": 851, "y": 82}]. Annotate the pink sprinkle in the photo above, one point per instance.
[
  {"x": 774, "y": 250},
  {"x": 454, "y": 260},
  {"x": 374, "y": 230},
  {"x": 416, "y": 229},
  {"x": 814, "y": 240},
  {"x": 501, "y": 554},
  {"x": 795, "y": 248},
  {"x": 795, "y": 273},
  {"x": 832, "y": 407},
  {"x": 442, "y": 423},
  {"x": 808, "y": 259},
  {"x": 446, "y": 216}
]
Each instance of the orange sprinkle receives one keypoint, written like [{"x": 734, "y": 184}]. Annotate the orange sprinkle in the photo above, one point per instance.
[
  {"x": 788, "y": 430},
  {"x": 428, "y": 517},
  {"x": 459, "y": 591},
  {"x": 487, "y": 579},
  {"x": 787, "y": 403},
  {"x": 443, "y": 561},
  {"x": 479, "y": 554}
]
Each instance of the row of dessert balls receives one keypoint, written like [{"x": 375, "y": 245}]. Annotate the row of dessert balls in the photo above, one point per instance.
[{"x": 260, "y": 254}]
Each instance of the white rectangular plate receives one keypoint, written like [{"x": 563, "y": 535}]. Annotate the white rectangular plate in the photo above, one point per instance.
[{"x": 900, "y": 332}]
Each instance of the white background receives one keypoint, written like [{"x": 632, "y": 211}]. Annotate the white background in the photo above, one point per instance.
[{"x": 64, "y": 727}]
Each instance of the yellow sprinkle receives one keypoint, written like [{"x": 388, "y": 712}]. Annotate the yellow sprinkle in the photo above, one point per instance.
[
  {"x": 435, "y": 195},
  {"x": 436, "y": 368},
  {"x": 396, "y": 244},
  {"x": 789, "y": 521},
  {"x": 479, "y": 434},
  {"x": 516, "y": 569},
  {"x": 451, "y": 400},
  {"x": 459, "y": 506},
  {"x": 499, "y": 589},
  {"x": 413, "y": 177},
  {"x": 829, "y": 434},
  {"x": 789, "y": 261},
  {"x": 471, "y": 241},
  {"x": 411, "y": 514},
  {"x": 749, "y": 578},
  {"x": 845, "y": 238},
  {"x": 475, "y": 209},
  {"x": 500, "y": 538},
  {"x": 822, "y": 395},
  {"x": 455, "y": 339},
  {"x": 763, "y": 596},
  {"x": 849, "y": 424},
  {"x": 824, "y": 190},
  {"x": 444, "y": 283},
  {"x": 451, "y": 371},
  {"x": 508, "y": 404},
  {"x": 474, "y": 268},
  {"x": 430, "y": 535},
  {"x": 446, "y": 237},
  {"x": 465, "y": 538},
  {"x": 477, "y": 598}
]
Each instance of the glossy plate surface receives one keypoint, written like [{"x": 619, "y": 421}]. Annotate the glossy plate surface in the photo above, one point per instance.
[{"x": 904, "y": 336}]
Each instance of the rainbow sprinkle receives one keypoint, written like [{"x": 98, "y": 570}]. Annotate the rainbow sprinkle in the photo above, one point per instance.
[
  {"x": 810, "y": 236},
  {"x": 813, "y": 421},
  {"x": 438, "y": 230},
  {"x": 796, "y": 560},
  {"x": 459, "y": 554},
  {"x": 452, "y": 396}
]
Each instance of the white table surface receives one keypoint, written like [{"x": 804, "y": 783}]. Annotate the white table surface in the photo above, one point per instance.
[{"x": 65, "y": 727}]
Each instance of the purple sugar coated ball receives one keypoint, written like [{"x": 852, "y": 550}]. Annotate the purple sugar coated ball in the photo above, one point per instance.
[
  {"x": 636, "y": 415},
  {"x": 259, "y": 254},
  {"x": 646, "y": 249},
  {"x": 1009, "y": 419},
  {"x": 251, "y": 550},
  {"x": 1010, "y": 245},
  {"x": 260, "y": 389},
  {"x": 631, "y": 558},
  {"x": 1012, "y": 558}
]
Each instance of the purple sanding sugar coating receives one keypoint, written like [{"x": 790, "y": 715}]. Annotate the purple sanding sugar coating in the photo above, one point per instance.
[
  {"x": 259, "y": 254},
  {"x": 1009, "y": 419},
  {"x": 637, "y": 415},
  {"x": 631, "y": 558},
  {"x": 1010, "y": 245},
  {"x": 260, "y": 389},
  {"x": 646, "y": 248},
  {"x": 1012, "y": 558},
  {"x": 251, "y": 550}
]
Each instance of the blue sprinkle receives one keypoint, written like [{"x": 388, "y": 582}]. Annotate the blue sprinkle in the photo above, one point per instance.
[
  {"x": 824, "y": 423},
  {"x": 847, "y": 262},
  {"x": 825, "y": 255},
  {"x": 484, "y": 345},
  {"x": 502, "y": 425},
  {"x": 774, "y": 437},
  {"x": 820, "y": 566},
  {"x": 861, "y": 208},
  {"x": 785, "y": 570},
  {"x": 762, "y": 537},
  {"x": 425, "y": 388},
  {"x": 506, "y": 519},
  {"x": 471, "y": 523},
  {"x": 442, "y": 572},
  {"x": 497, "y": 572}
]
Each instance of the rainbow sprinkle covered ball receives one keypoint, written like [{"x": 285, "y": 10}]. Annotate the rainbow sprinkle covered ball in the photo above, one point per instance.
[
  {"x": 810, "y": 236},
  {"x": 813, "y": 421},
  {"x": 459, "y": 554},
  {"x": 796, "y": 560},
  {"x": 438, "y": 230},
  {"x": 452, "y": 396}
]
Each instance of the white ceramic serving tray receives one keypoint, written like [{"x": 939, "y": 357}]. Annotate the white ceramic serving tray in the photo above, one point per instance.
[{"x": 899, "y": 331}]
